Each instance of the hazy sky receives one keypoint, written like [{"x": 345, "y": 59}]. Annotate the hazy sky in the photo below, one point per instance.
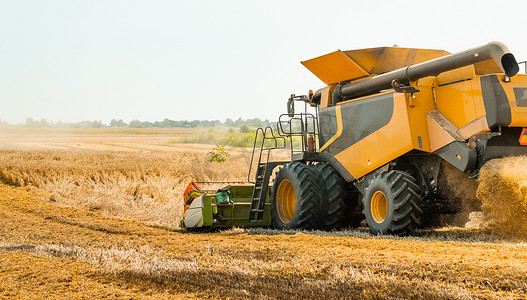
[{"x": 149, "y": 60}]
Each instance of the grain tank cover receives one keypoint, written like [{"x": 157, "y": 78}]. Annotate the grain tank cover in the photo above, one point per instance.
[{"x": 354, "y": 64}]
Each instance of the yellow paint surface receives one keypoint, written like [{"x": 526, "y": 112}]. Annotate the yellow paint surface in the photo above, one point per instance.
[{"x": 382, "y": 146}]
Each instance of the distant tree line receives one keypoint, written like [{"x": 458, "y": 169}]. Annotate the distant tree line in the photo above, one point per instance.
[{"x": 166, "y": 123}]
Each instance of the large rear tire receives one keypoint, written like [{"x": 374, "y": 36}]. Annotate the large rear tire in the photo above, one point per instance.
[
  {"x": 295, "y": 198},
  {"x": 339, "y": 205},
  {"x": 392, "y": 204}
]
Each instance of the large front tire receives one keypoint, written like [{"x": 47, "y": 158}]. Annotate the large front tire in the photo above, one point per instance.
[
  {"x": 295, "y": 198},
  {"x": 392, "y": 204}
]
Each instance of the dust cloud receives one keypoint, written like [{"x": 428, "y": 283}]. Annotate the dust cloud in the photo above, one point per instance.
[
  {"x": 459, "y": 192},
  {"x": 503, "y": 193},
  {"x": 497, "y": 201}
]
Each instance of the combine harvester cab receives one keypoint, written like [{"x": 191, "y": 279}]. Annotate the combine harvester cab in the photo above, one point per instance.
[{"x": 380, "y": 131}]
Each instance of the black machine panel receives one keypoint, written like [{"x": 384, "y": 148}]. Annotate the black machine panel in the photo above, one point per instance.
[
  {"x": 496, "y": 103},
  {"x": 359, "y": 119}
]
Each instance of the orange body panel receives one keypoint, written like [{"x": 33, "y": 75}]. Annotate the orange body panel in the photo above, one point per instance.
[
  {"x": 460, "y": 103},
  {"x": 456, "y": 102},
  {"x": 519, "y": 114},
  {"x": 384, "y": 145}
]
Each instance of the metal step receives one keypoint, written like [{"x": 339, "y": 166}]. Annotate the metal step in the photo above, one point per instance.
[{"x": 256, "y": 211}]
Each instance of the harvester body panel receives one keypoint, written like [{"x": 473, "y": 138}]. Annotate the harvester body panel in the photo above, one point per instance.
[
  {"x": 365, "y": 134},
  {"x": 341, "y": 66},
  {"x": 335, "y": 67},
  {"x": 364, "y": 124}
]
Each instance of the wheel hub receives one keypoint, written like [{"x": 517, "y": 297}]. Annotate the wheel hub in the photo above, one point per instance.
[
  {"x": 286, "y": 201},
  {"x": 379, "y": 207}
]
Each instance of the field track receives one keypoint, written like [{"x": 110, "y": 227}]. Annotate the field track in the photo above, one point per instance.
[{"x": 49, "y": 249}]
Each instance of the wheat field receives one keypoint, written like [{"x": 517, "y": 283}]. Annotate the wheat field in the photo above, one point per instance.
[
  {"x": 143, "y": 186},
  {"x": 102, "y": 222}
]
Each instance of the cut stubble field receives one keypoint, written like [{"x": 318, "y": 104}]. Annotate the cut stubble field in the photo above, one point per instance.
[{"x": 81, "y": 221}]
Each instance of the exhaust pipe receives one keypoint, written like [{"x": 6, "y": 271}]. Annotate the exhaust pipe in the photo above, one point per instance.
[{"x": 496, "y": 51}]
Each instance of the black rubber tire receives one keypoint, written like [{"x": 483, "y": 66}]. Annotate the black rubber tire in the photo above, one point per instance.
[
  {"x": 308, "y": 197},
  {"x": 404, "y": 203},
  {"x": 339, "y": 206}
]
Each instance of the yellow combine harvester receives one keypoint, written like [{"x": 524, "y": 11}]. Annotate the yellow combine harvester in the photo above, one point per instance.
[{"x": 382, "y": 126}]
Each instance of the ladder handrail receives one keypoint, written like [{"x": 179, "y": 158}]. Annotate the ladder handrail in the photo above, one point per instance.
[{"x": 267, "y": 135}]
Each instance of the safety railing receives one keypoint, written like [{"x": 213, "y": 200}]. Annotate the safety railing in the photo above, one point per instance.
[
  {"x": 265, "y": 140},
  {"x": 524, "y": 65},
  {"x": 301, "y": 131}
]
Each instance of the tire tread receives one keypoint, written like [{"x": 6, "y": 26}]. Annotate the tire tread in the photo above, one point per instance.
[
  {"x": 407, "y": 202},
  {"x": 307, "y": 214}
]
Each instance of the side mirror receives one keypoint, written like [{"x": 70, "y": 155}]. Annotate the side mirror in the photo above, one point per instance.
[{"x": 290, "y": 107}]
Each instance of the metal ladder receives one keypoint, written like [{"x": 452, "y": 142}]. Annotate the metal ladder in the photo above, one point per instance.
[
  {"x": 263, "y": 171},
  {"x": 308, "y": 125}
]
